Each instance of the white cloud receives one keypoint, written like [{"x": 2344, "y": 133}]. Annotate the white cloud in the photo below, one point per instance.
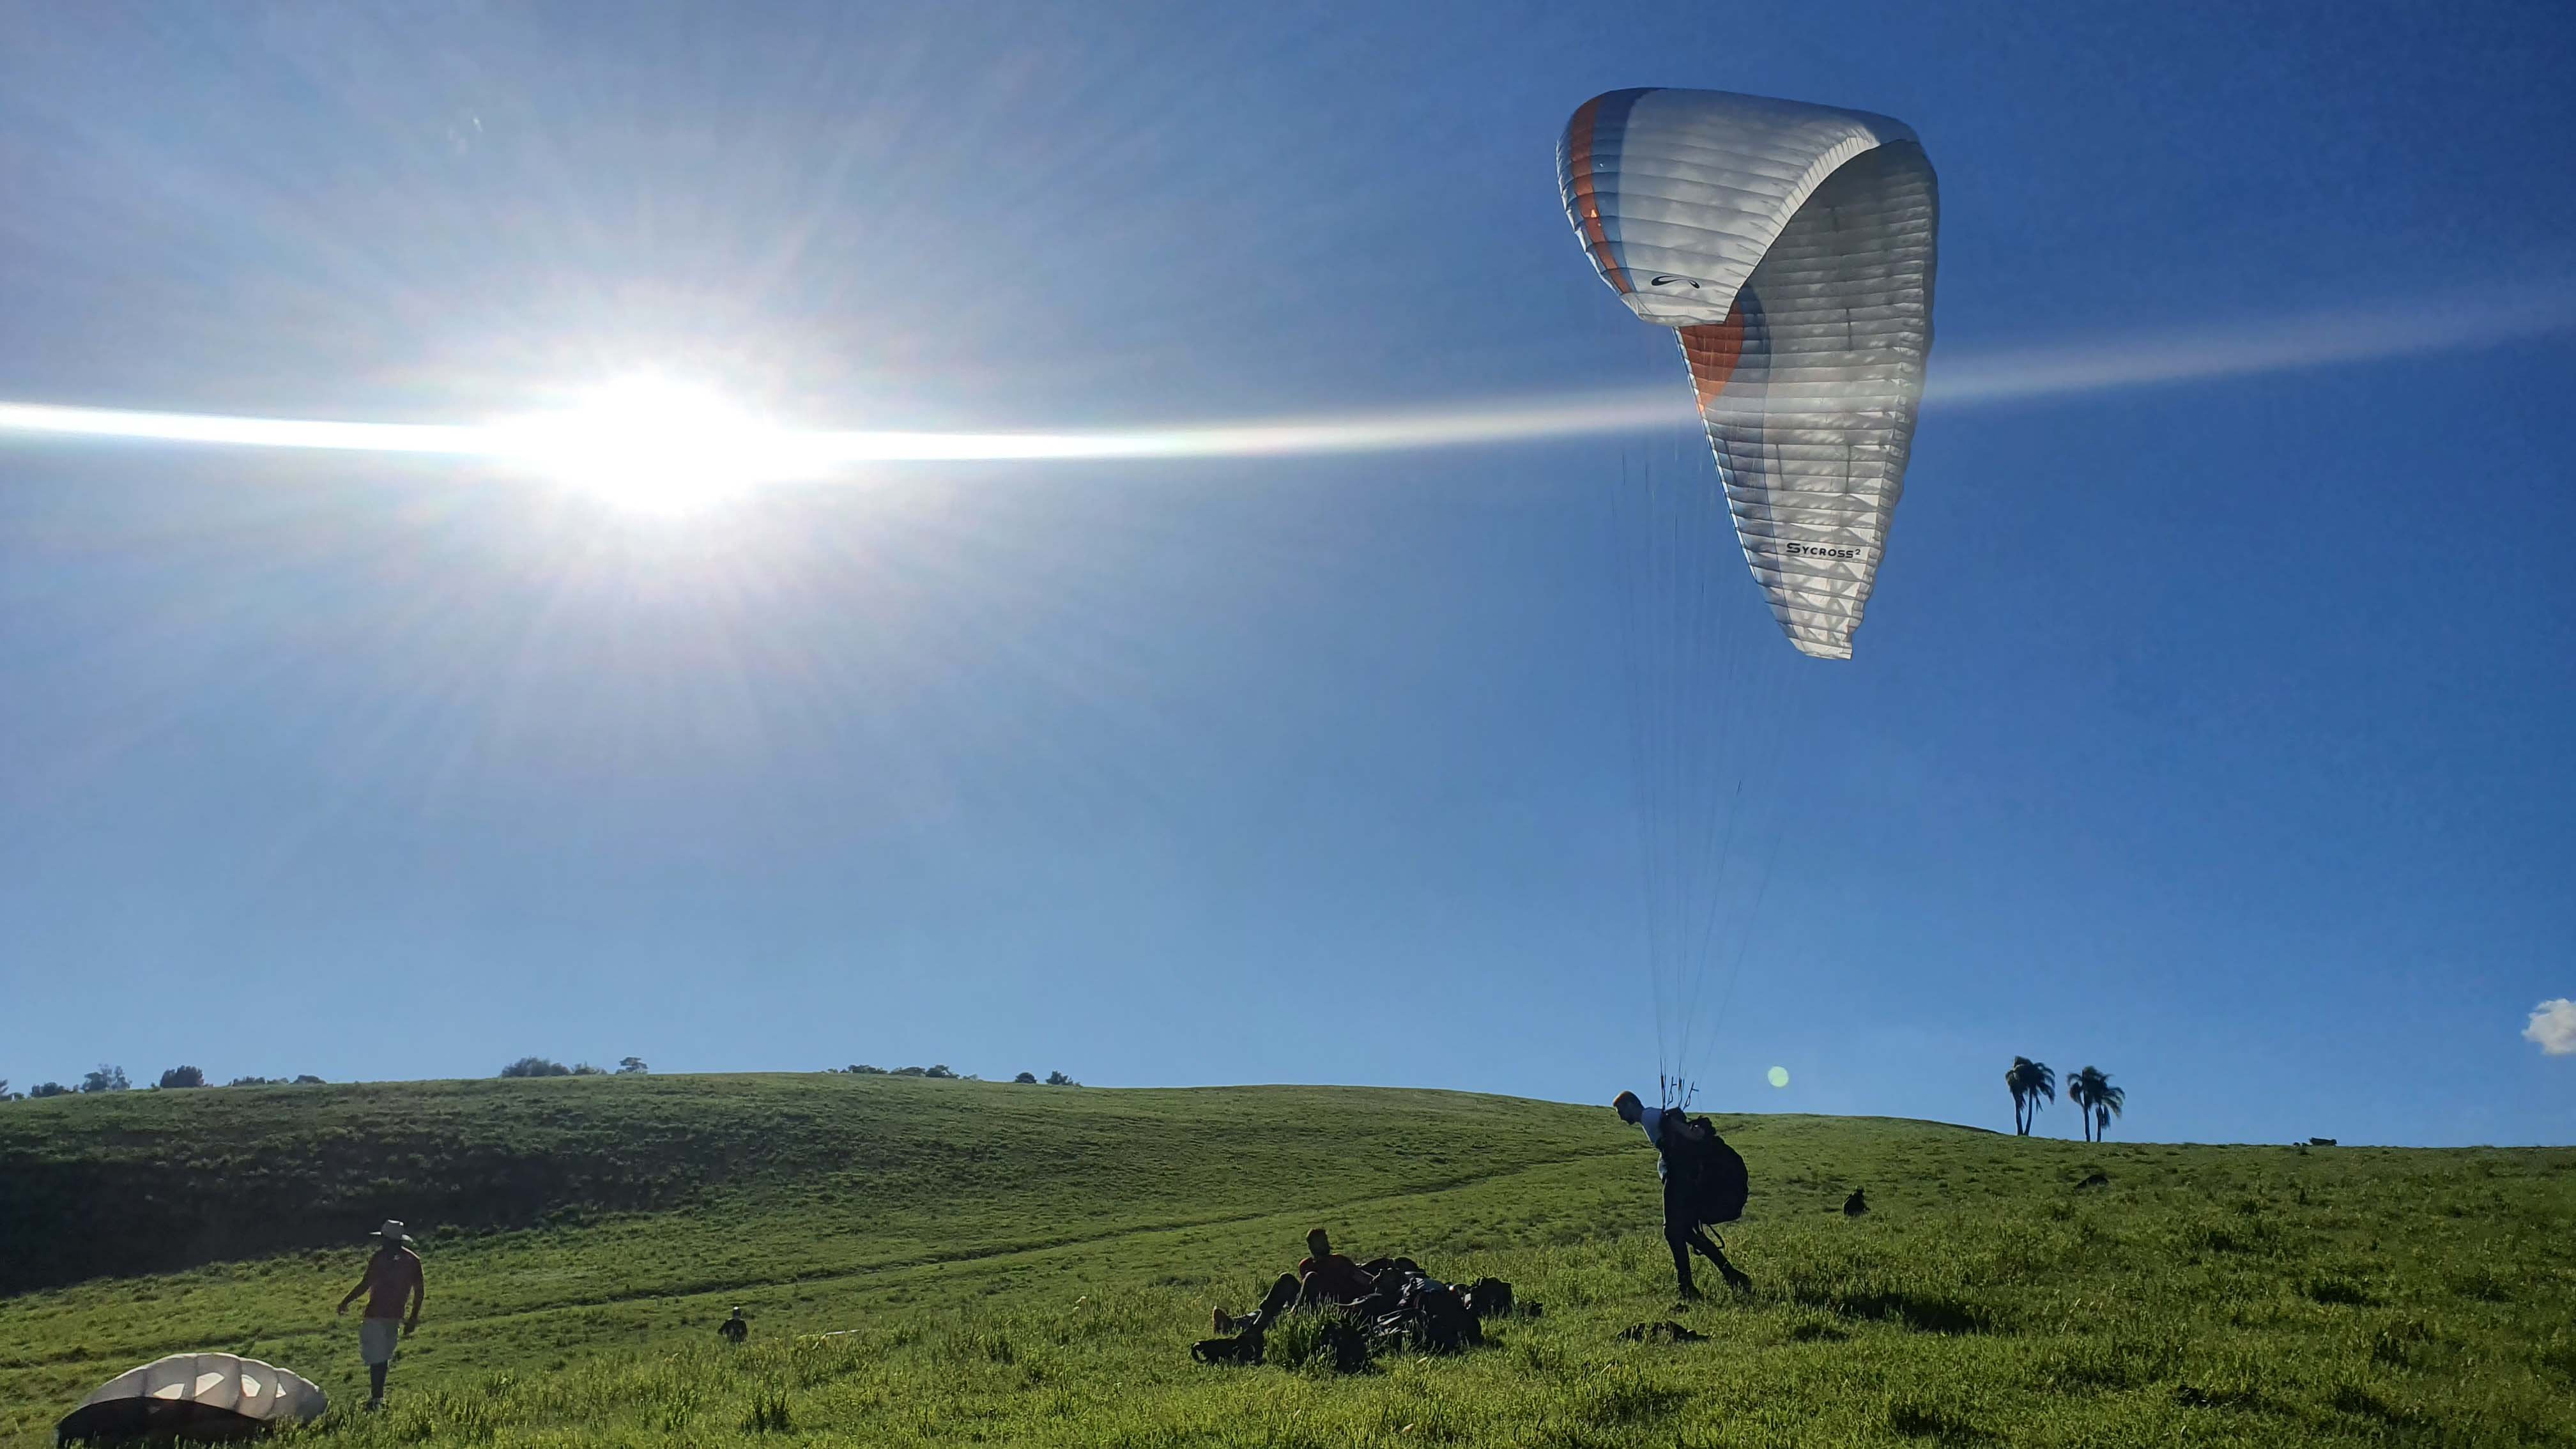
[{"x": 2553, "y": 1025}]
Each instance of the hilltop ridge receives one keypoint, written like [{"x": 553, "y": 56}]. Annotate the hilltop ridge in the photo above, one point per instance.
[{"x": 146, "y": 1182}]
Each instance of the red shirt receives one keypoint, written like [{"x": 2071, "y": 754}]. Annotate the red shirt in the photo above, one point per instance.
[
  {"x": 1336, "y": 1278},
  {"x": 391, "y": 1279}
]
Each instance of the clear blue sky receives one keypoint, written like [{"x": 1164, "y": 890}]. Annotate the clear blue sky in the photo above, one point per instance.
[{"x": 2211, "y": 731}]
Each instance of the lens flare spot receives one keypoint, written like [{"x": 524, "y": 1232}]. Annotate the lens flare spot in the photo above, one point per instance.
[
  {"x": 1779, "y": 1076},
  {"x": 654, "y": 446}
]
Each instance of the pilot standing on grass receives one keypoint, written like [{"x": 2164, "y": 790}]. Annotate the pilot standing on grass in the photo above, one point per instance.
[
  {"x": 392, "y": 1277},
  {"x": 1678, "y": 1144}
]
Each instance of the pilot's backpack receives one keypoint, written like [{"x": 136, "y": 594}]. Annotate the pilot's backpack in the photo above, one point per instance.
[{"x": 1719, "y": 1183}]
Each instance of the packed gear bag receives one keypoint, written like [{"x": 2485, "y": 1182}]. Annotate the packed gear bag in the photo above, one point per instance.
[
  {"x": 1714, "y": 1173},
  {"x": 1431, "y": 1317},
  {"x": 1444, "y": 1324}
]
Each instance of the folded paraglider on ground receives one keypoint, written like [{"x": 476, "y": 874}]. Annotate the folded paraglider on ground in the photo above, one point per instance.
[{"x": 196, "y": 1396}]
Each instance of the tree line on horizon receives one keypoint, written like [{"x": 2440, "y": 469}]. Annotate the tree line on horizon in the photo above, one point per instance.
[
  {"x": 110, "y": 1078},
  {"x": 943, "y": 1074},
  {"x": 543, "y": 1067},
  {"x": 635, "y": 1067},
  {"x": 2034, "y": 1085}
]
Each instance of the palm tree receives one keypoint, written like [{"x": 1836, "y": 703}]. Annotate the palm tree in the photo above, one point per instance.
[
  {"x": 2107, "y": 1101},
  {"x": 2091, "y": 1091},
  {"x": 2030, "y": 1083}
]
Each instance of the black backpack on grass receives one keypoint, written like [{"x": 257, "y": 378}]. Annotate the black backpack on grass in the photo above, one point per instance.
[{"x": 1431, "y": 1317}]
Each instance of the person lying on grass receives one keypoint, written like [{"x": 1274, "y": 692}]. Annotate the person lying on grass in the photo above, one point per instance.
[
  {"x": 1388, "y": 1300},
  {"x": 1325, "y": 1279}
]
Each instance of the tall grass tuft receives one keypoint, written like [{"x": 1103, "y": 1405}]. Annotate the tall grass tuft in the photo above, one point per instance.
[
  {"x": 1312, "y": 1339},
  {"x": 1916, "y": 1420},
  {"x": 769, "y": 1413}
]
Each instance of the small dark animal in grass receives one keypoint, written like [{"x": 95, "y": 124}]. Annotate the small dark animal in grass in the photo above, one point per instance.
[
  {"x": 1245, "y": 1348},
  {"x": 2099, "y": 1179},
  {"x": 1664, "y": 1332},
  {"x": 1855, "y": 1205},
  {"x": 1217, "y": 1350},
  {"x": 734, "y": 1329}
]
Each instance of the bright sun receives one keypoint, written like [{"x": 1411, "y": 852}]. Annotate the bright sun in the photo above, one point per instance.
[{"x": 653, "y": 446}]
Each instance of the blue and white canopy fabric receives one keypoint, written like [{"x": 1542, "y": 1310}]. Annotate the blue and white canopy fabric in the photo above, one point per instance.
[{"x": 1792, "y": 246}]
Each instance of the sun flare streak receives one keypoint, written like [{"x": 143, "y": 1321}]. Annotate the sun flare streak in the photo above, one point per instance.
[{"x": 661, "y": 446}]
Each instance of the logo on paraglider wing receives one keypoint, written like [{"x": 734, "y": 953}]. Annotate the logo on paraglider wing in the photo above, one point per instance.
[
  {"x": 1668, "y": 281},
  {"x": 1817, "y": 550}
]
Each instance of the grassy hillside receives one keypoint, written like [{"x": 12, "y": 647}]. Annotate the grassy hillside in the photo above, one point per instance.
[
  {"x": 140, "y": 1182},
  {"x": 1013, "y": 1264}
]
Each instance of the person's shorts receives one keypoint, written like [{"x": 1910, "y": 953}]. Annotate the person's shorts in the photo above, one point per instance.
[{"x": 377, "y": 1337}]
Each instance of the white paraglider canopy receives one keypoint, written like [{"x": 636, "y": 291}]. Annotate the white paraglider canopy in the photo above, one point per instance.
[
  {"x": 193, "y": 1396},
  {"x": 1792, "y": 246}
]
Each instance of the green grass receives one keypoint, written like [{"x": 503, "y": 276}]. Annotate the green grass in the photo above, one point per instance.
[{"x": 1001, "y": 1264}]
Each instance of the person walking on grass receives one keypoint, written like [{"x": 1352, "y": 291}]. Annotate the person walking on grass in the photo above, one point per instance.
[
  {"x": 1703, "y": 1183},
  {"x": 392, "y": 1279}
]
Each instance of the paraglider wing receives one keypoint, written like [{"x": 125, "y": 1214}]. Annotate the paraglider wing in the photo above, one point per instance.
[
  {"x": 192, "y": 1396},
  {"x": 1791, "y": 245}
]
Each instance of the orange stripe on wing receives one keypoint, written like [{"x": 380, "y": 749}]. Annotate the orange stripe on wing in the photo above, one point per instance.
[
  {"x": 1586, "y": 204},
  {"x": 1712, "y": 350}
]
